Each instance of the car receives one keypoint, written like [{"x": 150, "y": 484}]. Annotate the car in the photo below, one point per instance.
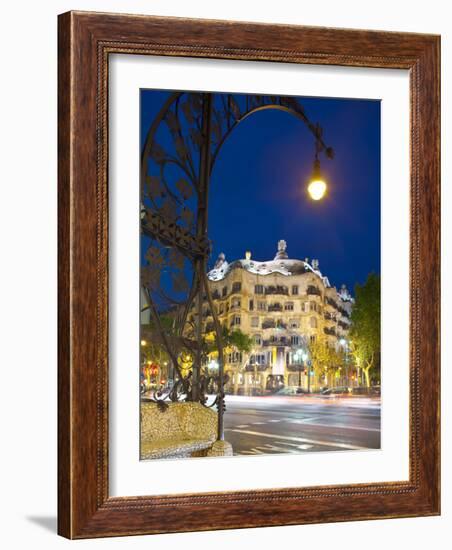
[
  {"x": 339, "y": 390},
  {"x": 289, "y": 390},
  {"x": 372, "y": 391},
  {"x": 360, "y": 390}
]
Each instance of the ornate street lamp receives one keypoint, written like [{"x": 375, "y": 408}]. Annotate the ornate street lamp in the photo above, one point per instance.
[{"x": 174, "y": 212}]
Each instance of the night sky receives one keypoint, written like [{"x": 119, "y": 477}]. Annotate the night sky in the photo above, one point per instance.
[{"x": 258, "y": 187}]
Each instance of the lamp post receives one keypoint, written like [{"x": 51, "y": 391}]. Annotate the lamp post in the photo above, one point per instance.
[
  {"x": 199, "y": 124},
  {"x": 307, "y": 365},
  {"x": 343, "y": 342}
]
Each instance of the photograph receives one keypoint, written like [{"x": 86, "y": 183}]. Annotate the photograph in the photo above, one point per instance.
[{"x": 260, "y": 260}]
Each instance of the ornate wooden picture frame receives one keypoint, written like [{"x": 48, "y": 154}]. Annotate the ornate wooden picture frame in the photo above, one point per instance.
[{"x": 86, "y": 40}]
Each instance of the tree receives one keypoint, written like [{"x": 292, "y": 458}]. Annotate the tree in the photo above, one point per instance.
[
  {"x": 233, "y": 340},
  {"x": 365, "y": 328},
  {"x": 237, "y": 339},
  {"x": 325, "y": 360}
]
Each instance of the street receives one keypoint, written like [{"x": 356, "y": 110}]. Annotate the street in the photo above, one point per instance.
[{"x": 294, "y": 424}]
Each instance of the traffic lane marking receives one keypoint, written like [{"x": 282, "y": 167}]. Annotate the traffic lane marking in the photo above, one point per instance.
[
  {"x": 269, "y": 448},
  {"x": 311, "y": 422},
  {"x": 302, "y": 440},
  {"x": 333, "y": 426}
]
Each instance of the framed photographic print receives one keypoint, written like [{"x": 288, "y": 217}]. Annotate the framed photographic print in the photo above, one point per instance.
[{"x": 248, "y": 275}]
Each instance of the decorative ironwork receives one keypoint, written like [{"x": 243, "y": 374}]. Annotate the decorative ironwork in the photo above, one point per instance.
[{"x": 178, "y": 156}]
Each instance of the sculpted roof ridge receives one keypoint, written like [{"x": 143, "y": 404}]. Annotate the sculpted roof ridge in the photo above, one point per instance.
[{"x": 281, "y": 264}]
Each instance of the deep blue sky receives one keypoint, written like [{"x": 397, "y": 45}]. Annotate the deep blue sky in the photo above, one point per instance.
[{"x": 258, "y": 187}]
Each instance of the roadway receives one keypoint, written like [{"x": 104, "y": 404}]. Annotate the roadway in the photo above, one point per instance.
[{"x": 294, "y": 424}]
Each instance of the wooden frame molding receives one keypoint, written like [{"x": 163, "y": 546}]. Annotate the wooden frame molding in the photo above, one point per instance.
[{"x": 85, "y": 42}]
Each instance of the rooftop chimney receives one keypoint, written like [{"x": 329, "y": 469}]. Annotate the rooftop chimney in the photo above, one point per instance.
[{"x": 281, "y": 254}]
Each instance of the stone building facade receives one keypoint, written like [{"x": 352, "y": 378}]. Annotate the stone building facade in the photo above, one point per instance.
[{"x": 283, "y": 304}]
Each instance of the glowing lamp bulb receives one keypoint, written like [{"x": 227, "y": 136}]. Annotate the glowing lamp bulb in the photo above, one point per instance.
[
  {"x": 317, "y": 185},
  {"x": 317, "y": 189}
]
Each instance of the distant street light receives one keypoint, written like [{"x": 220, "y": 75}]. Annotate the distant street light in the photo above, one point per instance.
[{"x": 213, "y": 364}]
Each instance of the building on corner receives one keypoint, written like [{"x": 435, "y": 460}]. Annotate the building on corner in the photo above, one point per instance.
[{"x": 283, "y": 304}]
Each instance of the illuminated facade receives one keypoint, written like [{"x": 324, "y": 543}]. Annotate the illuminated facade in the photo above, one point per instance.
[{"x": 284, "y": 305}]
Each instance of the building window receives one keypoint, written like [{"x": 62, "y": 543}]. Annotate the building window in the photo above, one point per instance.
[
  {"x": 313, "y": 322},
  {"x": 235, "y": 357},
  {"x": 251, "y": 305},
  {"x": 235, "y": 303},
  {"x": 288, "y": 306},
  {"x": 293, "y": 323},
  {"x": 224, "y": 291},
  {"x": 312, "y": 306},
  {"x": 257, "y": 339},
  {"x": 262, "y": 306},
  {"x": 268, "y": 323},
  {"x": 235, "y": 320},
  {"x": 294, "y": 289},
  {"x": 312, "y": 338},
  {"x": 295, "y": 340},
  {"x": 236, "y": 287},
  {"x": 259, "y": 289},
  {"x": 257, "y": 359},
  {"x": 254, "y": 322}
]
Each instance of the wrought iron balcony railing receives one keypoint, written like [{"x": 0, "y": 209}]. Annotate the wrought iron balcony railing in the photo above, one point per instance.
[
  {"x": 257, "y": 368},
  {"x": 313, "y": 291},
  {"x": 277, "y": 341},
  {"x": 277, "y": 290}
]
